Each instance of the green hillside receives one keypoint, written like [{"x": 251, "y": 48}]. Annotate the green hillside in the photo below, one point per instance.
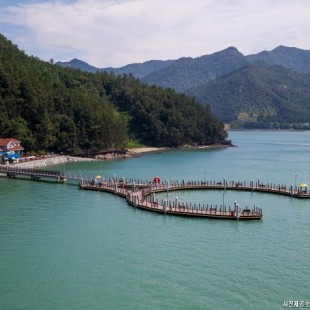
[
  {"x": 138, "y": 70},
  {"x": 187, "y": 72},
  {"x": 248, "y": 91},
  {"x": 63, "y": 109},
  {"x": 258, "y": 96},
  {"x": 291, "y": 58}
]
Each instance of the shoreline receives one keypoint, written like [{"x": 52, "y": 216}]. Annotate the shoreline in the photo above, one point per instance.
[
  {"x": 62, "y": 159},
  {"x": 50, "y": 161}
]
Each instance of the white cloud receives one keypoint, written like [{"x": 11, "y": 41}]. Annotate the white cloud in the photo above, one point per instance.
[{"x": 118, "y": 32}]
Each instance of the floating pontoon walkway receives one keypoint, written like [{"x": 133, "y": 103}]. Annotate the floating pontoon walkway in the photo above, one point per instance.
[
  {"x": 34, "y": 174},
  {"x": 38, "y": 174},
  {"x": 141, "y": 193},
  {"x": 142, "y": 196}
]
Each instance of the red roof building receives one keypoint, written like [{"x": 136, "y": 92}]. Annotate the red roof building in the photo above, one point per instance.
[{"x": 10, "y": 145}]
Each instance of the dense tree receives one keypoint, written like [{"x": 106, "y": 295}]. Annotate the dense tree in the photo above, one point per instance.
[
  {"x": 63, "y": 109},
  {"x": 258, "y": 94}
]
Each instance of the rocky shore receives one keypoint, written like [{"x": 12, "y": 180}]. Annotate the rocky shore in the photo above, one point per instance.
[
  {"x": 61, "y": 159},
  {"x": 50, "y": 161}
]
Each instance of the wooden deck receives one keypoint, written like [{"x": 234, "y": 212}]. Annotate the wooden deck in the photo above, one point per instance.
[
  {"x": 140, "y": 193},
  {"x": 38, "y": 174},
  {"x": 33, "y": 174},
  {"x": 141, "y": 196}
]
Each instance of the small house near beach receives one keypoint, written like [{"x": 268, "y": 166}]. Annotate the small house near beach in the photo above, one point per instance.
[{"x": 10, "y": 149}]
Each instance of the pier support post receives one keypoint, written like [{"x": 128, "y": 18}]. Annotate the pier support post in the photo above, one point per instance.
[
  {"x": 237, "y": 210},
  {"x": 165, "y": 206},
  {"x": 176, "y": 202}
]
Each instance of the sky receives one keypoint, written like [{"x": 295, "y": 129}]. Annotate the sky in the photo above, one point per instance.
[{"x": 113, "y": 33}]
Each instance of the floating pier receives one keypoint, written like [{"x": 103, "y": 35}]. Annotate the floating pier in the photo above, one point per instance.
[
  {"x": 141, "y": 195},
  {"x": 33, "y": 174}
]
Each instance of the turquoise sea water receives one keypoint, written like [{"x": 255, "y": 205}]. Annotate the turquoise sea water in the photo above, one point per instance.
[{"x": 62, "y": 248}]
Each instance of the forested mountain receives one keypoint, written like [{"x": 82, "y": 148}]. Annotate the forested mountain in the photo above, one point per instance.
[
  {"x": 185, "y": 73},
  {"x": 291, "y": 58},
  {"x": 188, "y": 72},
  {"x": 50, "y": 108},
  {"x": 178, "y": 74},
  {"x": 78, "y": 64},
  {"x": 258, "y": 96},
  {"x": 138, "y": 70},
  {"x": 244, "y": 90}
]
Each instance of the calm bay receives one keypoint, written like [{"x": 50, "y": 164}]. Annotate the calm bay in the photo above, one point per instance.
[{"x": 63, "y": 248}]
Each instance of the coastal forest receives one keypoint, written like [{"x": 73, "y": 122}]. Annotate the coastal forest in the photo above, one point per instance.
[
  {"x": 54, "y": 109},
  {"x": 268, "y": 90}
]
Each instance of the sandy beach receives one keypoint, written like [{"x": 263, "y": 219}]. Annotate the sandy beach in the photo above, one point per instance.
[{"x": 141, "y": 150}]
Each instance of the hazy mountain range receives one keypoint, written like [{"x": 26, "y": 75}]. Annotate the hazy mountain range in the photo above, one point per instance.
[{"x": 267, "y": 89}]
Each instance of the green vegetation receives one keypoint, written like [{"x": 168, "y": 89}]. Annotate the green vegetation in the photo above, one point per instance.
[
  {"x": 259, "y": 96},
  {"x": 66, "y": 110},
  {"x": 268, "y": 90},
  {"x": 186, "y": 73}
]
